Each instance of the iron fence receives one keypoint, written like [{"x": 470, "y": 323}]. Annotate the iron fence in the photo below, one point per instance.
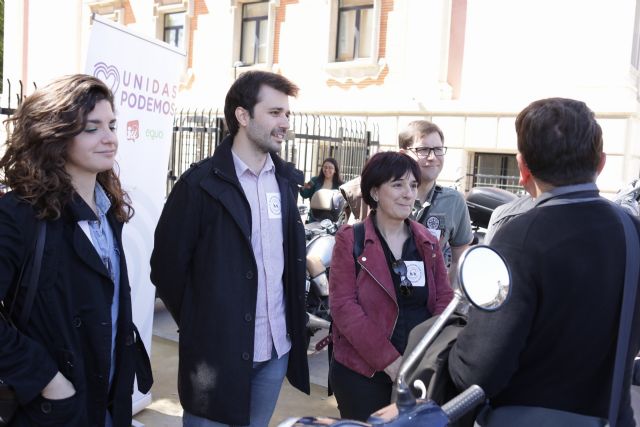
[
  {"x": 19, "y": 96},
  {"x": 509, "y": 183},
  {"x": 310, "y": 140}
]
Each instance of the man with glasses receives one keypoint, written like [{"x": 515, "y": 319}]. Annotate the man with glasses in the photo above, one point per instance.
[{"x": 441, "y": 209}]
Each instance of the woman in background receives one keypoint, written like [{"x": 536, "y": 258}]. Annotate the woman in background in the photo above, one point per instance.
[
  {"x": 74, "y": 362},
  {"x": 398, "y": 281},
  {"x": 329, "y": 178}
]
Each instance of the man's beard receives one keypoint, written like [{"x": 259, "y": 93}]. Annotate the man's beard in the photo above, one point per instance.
[{"x": 263, "y": 141}]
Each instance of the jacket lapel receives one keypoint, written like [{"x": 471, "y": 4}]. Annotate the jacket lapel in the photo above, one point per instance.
[
  {"x": 86, "y": 252},
  {"x": 223, "y": 185},
  {"x": 79, "y": 211},
  {"x": 376, "y": 262}
]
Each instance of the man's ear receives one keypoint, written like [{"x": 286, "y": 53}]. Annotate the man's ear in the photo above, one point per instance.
[
  {"x": 242, "y": 116},
  {"x": 525, "y": 173},
  {"x": 601, "y": 163}
]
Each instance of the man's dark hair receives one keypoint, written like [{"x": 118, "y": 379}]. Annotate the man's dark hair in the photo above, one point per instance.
[
  {"x": 244, "y": 93},
  {"x": 560, "y": 141},
  {"x": 417, "y": 129},
  {"x": 384, "y": 167}
]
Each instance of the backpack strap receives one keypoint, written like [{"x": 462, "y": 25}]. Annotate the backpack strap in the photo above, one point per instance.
[
  {"x": 632, "y": 271},
  {"x": 358, "y": 243},
  {"x": 32, "y": 285}
]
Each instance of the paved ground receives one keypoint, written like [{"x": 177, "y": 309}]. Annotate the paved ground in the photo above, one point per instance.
[{"x": 165, "y": 409}]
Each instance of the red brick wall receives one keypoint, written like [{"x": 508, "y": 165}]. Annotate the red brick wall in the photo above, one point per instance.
[
  {"x": 199, "y": 8},
  {"x": 129, "y": 17},
  {"x": 386, "y": 7},
  {"x": 281, "y": 15}
]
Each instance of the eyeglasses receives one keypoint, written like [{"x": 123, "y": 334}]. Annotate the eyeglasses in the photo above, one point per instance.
[
  {"x": 424, "y": 152},
  {"x": 400, "y": 268}
]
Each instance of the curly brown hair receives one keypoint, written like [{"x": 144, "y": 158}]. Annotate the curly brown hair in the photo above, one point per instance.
[{"x": 40, "y": 132}]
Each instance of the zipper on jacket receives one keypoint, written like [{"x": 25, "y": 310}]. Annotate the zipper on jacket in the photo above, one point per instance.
[{"x": 394, "y": 301}]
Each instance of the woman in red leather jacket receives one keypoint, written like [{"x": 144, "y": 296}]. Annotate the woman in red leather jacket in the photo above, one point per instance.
[{"x": 400, "y": 281}]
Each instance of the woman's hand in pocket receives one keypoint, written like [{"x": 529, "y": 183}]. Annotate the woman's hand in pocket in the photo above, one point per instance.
[{"x": 58, "y": 388}]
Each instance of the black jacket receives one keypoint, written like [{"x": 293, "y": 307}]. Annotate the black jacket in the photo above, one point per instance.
[
  {"x": 69, "y": 327},
  {"x": 554, "y": 341},
  {"x": 206, "y": 274}
]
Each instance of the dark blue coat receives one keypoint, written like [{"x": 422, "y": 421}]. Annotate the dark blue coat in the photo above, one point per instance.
[
  {"x": 205, "y": 272},
  {"x": 69, "y": 328}
]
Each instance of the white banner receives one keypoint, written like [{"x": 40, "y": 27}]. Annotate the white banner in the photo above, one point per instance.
[{"x": 143, "y": 74}]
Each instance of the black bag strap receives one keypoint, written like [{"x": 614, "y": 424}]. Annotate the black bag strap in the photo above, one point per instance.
[
  {"x": 358, "y": 243},
  {"x": 632, "y": 271},
  {"x": 423, "y": 215},
  {"x": 32, "y": 286}
]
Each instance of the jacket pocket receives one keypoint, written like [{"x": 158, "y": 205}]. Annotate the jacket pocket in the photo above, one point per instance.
[{"x": 47, "y": 412}]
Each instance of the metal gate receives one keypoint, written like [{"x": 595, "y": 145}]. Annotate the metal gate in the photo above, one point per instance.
[{"x": 310, "y": 140}]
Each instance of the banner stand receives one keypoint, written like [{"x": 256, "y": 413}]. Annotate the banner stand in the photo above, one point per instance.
[{"x": 143, "y": 74}]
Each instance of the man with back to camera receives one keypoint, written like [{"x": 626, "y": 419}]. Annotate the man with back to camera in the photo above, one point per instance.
[
  {"x": 228, "y": 263},
  {"x": 553, "y": 344},
  {"x": 442, "y": 210}
]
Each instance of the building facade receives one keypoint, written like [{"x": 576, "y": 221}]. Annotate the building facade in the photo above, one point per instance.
[{"x": 468, "y": 65}]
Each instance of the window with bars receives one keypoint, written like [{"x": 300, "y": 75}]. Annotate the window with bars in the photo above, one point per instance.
[
  {"x": 174, "y": 29},
  {"x": 355, "y": 29},
  {"x": 253, "y": 42},
  {"x": 496, "y": 170}
]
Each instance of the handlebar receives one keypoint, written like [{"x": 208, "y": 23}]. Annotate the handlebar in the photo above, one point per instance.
[{"x": 463, "y": 403}]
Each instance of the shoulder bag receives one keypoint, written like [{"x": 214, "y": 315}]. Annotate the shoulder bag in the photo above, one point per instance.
[{"x": 8, "y": 399}]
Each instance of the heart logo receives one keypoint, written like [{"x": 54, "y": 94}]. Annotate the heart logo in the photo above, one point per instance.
[{"x": 108, "y": 74}]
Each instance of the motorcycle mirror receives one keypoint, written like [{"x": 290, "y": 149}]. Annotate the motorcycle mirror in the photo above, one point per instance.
[
  {"x": 484, "y": 277},
  {"x": 485, "y": 281}
]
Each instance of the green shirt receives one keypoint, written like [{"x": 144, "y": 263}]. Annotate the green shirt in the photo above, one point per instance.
[{"x": 447, "y": 212}]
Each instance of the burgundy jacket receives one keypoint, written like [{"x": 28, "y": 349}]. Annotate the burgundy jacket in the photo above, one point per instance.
[{"x": 365, "y": 309}]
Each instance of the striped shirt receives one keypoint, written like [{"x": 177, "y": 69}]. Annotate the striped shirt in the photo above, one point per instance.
[{"x": 263, "y": 194}]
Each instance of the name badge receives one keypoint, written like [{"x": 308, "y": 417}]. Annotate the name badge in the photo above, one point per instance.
[
  {"x": 415, "y": 273},
  {"x": 273, "y": 205}
]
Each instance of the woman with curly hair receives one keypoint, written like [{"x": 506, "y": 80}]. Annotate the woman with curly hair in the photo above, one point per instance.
[{"x": 74, "y": 362}]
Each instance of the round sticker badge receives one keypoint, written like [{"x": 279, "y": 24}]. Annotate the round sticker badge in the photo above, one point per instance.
[
  {"x": 274, "y": 204},
  {"x": 414, "y": 273},
  {"x": 433, "y": 222}
]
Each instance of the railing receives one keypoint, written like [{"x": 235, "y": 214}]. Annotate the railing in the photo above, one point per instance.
[
  {"x": 509, "y": 183},
  {"x": 310, "y": 140},
  {"x": 9, "y": 110}
]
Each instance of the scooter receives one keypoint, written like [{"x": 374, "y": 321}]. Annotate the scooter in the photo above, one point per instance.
[
  {"x": 481, "y": 202},
  {"x": 320, "y": 242},
  {"x": 629, "y": 197},
  {"x": 484, "y": 282},
  {"x": 325, "y": 207}
]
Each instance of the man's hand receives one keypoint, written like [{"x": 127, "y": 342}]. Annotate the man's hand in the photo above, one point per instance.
[{"x": 58, "y": 388}]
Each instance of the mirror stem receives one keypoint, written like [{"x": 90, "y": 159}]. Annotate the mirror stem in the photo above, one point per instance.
[{"x": 405, "y": 400}]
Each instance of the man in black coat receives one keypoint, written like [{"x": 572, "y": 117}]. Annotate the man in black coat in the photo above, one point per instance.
[
  {"x": 229, "y": 262},
  {"x": 553, "y": 344}
]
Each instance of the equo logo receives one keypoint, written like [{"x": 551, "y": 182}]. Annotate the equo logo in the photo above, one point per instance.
[{"x": 153, "y": 134}]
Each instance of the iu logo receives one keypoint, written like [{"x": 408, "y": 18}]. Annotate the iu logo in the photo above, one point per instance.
[{"x": 133, "y": 130}]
